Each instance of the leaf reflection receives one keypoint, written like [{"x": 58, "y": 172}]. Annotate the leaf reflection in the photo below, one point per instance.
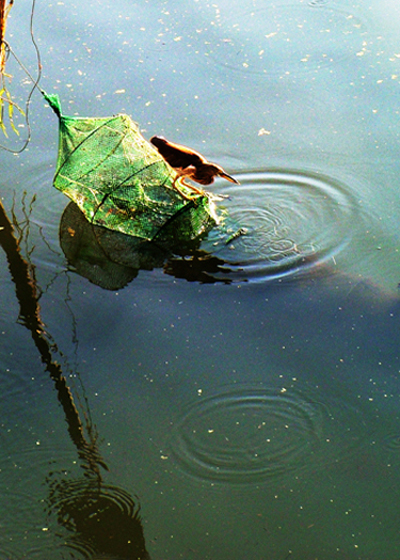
[{"x": 111, "y": 259}]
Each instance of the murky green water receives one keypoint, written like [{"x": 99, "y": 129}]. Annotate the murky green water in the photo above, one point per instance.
[{"x": 246, "y": 397}]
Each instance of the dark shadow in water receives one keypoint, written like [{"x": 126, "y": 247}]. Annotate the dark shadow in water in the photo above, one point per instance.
[
  {"x": 103, "y": 519},
  {"x": 294, "y": 221},
  {"x": 112, "y": 260},
  {"x": 199, "y": 266}
]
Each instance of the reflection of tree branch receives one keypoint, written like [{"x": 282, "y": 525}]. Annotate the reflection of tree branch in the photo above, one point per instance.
[
  {"x": 103, "y": 519},
  {"x": 30, "y": 317}
]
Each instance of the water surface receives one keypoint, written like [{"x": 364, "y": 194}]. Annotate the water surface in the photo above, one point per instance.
[{"x": 245, "y": 395}]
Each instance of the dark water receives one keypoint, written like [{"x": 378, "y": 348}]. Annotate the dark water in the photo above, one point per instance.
[{"x": 245, "y": 398}]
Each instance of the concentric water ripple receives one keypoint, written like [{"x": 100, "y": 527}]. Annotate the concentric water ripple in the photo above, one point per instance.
[
  {"x": 391, "y": 442},
  {"x": 252, "y": 435},
  {"x": 293, "y": 220},
  {"x": 6, "y": 554},
  {"x": 285, "y": 39},
  {"x": 28, "y": 542}
]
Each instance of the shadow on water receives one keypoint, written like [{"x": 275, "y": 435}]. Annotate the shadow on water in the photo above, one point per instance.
[
  {"x": 295, "y": 220},
  {"x": 103, "y": 519},
  {"x": 111, "y": 259}
]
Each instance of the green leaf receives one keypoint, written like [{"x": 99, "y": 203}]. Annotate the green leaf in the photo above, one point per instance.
[
  {"x": 3, "y": 128},
  {"x": 11, "y": 117}
]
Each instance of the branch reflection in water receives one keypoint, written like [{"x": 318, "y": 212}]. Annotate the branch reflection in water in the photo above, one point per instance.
[{"x": 102, "y": 519}]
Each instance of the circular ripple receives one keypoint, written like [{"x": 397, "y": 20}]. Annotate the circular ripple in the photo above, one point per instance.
[
  {"x": 251, "y": 435},
  {"x": 316, "y": 3},
  {"x": 247, "y": 436},
  {"x": 391, "y": 442},
  {"x": 294, "y": 220},
  {"x": 28, "y": 542},
  {"x": 284, "y": 39},
  {"x": 7, "y": 554}
]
